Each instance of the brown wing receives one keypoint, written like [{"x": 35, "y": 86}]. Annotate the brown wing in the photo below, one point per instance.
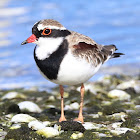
[{"x": 93, "y": 53}]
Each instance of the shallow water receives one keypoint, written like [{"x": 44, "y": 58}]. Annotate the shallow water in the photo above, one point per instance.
[{"x": 107, "y": 22}]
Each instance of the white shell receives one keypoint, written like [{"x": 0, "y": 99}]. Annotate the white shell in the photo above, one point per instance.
[
  {"x": 130, "y": 84},
  {"x": 76, "y": 135},
  {"x": 73, "y": 106},
  {"x": 29, "y": 106},
  {"x": 48, "y": 132},
  {"x": 36, "y": 125},
  {"x": 119, "y": 94},
  {"x": 46, "y": 123},
  {"x": 123, "y": 130},
  {"x": 12, "y": 95},
  {"x": 22, "y": 118},
  {"x": 89, "y": 125}
]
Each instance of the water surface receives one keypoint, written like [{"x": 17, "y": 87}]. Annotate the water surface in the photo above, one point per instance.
[{"x": 107, "y": 22}]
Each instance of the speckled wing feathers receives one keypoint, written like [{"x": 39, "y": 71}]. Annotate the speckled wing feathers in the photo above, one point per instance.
[{"x": 85, "y": 48}]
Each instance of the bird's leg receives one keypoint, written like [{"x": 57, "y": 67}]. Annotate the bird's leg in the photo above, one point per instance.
[
  {"x": 80, "y": 116},
  {"x": 62, "y": 118}
]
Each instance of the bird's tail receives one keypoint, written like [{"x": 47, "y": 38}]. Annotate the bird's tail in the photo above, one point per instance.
[
  {"x": 111, "y": 49},
  {"x": 114, "y": 55}
]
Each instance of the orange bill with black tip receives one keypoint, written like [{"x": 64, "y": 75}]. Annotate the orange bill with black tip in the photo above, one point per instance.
[{"x": 31, "y": 39}]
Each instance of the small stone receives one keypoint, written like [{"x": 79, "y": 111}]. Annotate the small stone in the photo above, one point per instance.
[
  {"x": 73, "y": 106},
  {"x": 94, "y": 115},
  {"x": 12, "y": 95},
  {"x": 48, "y": 132},
  {"x": 123, "y": 130},
  {"x": 110, "y": 80},
  {"x": 119, "y": 94},
  {"x": 137, "y": 107},
  {"x": 76, "y": 135},
  {"x": 58, "y": 127},
  {"x": 50, "y": 106},
  {"x": 36, "y": 125},
  {"x": 116, "y": 125},
  {"x": 46, "y": 123},
  {"x": 118, "y": 116},
  {"x": 51, "y": 98},
  {"x": 29, "y": 107},
  {"x": 89, "y": 125},
  {"x": 2, "y": 135},
  {"x": 34, "y": 88},
  {"x": 130, "y": 84},
  {"x": 130, "y": 111},
  {"x": 106, "y": 103},
  {"x": 15, "y": 126},
  {"x": 19, "y": 118},
  {"x": 9, "y": 116},
  {"x": 102, "y": 135}
]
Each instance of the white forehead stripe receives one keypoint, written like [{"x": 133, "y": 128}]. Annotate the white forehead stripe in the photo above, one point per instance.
[{"x": 41, "y": 27}]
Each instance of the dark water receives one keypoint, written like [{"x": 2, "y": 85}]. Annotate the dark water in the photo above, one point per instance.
[{"x": 107, "y": 22}]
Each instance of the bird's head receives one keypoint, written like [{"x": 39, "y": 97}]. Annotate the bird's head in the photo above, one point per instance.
[{"x": 46, "y": 29}]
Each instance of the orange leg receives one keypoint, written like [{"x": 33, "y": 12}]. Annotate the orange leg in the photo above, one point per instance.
[
  {"x": 80, "y": 116},
  {"x": 62, "y": 118}
]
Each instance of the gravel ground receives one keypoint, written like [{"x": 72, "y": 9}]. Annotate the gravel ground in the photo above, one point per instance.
[{"x": 111, "y": 111}]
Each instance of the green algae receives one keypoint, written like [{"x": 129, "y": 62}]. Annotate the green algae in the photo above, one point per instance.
[
  {"x": 23, "y": 133},
  {"x": 98, "y": 103}
]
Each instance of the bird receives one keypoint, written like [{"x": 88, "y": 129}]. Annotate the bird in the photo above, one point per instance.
[{"x": 66, "y": 57}]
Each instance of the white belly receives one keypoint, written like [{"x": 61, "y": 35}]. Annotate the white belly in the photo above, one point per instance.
[{"x": 74, "y": 71}]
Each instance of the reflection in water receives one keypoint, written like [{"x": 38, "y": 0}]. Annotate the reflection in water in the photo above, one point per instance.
[{"x": 108, "y": 22}]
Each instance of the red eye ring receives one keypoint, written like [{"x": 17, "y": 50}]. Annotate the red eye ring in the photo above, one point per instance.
[{"x": 46, "y": 30}]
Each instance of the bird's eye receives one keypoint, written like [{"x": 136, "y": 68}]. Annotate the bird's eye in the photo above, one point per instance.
[{"x": 46, "y": 31}]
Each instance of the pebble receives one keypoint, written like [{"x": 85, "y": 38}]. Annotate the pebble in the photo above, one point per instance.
[
  {"x": 119, "y": 94},
  {"x": 137, "y": 107},
  {"x": 122, "y": 130},
  {"x": 36, "y": 125},
  {"x": 50, "y": 106},
  {"x": 19, "y": 118},
  {"x": 12, "y": 95},
  {"x": 130, "y": 84},
  {"x": 73, "y": 106},
  {"x": 15, "y": 126},
  {"x": 130, "y": 111},
  {"x": 105, "y": 79},
  {"x": 94, "y": 115},
  {"x": 51, "y": 98},
  {"x": 48, "y": 132},
  {"x": 2, "y": 135},
  {"x": 106, "y": 103},
  {"x": 76, "y": 135},
  {"x": 119, "y": 116},
  {"x": 46, "y": 123},
  {"x": 102, "y": 135},
  {"x": 89, "y": 125},
  {"x": 9, "y": 116},
  {"x": 97, "y": 134},
  {"x": 29, "y": 106},
  {"x": 116, "y": 124}
]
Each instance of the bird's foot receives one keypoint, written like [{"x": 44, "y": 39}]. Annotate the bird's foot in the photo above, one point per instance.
[
  {"x": 79, "y": 119},
  {"x": 62, "y": 118}
]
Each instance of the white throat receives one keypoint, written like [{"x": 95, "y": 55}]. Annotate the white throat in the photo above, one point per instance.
[{"x": 46, "y": 46}]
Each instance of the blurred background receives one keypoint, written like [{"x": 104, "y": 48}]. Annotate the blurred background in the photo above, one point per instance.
[{"x": 105, "y": 21}]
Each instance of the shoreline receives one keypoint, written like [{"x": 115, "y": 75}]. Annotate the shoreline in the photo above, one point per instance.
[{"x": 111, "y": 110}]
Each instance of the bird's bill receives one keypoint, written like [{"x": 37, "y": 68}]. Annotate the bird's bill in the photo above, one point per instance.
[{"x": 31, "y": 39}]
